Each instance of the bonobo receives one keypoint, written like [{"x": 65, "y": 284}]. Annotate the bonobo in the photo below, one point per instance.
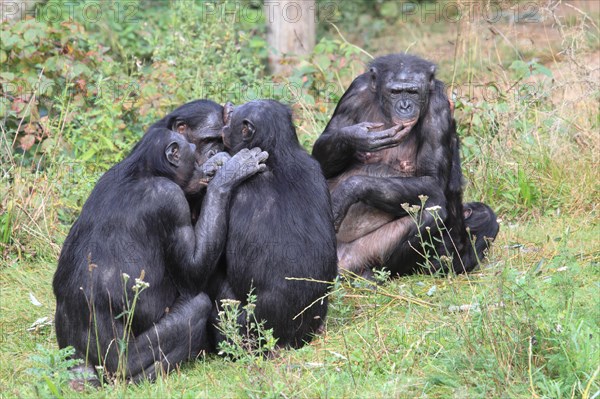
[
  {"x": 136, "y": 223},
  {"x": 392, "y": 138},
  {"x": 280, "y": 239},
  {"x": 200, "y": 122}
]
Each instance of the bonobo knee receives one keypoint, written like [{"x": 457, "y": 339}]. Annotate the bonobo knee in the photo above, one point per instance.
[{"x": 200, "y": 306}]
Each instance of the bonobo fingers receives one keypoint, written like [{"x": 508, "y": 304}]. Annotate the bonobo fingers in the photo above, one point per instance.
[
  {"x": 246, "y": 163},
  {"x": 214, "y": 163},
  {"x": 371, "y": 125},
  {"x": 389, "y": 138},
  {"x": 364, "y": 139},
  {"x": 260, "y": 155}
]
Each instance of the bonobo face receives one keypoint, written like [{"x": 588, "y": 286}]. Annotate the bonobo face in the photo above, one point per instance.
[
  {"x": 404, "y": 90},
  {"x": 200, "y": 122},
  {"x": 186, "y": 170}
]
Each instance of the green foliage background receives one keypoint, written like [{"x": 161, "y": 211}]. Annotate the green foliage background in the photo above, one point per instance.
[{"x": 78, "y": 93}]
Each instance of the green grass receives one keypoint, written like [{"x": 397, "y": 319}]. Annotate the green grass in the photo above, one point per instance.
[
  {"x": 526, "y": 324},
  {"x": 530, "y": 328}
]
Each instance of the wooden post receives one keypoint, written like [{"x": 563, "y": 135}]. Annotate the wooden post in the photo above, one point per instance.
[{"x": 291, "y": 31}]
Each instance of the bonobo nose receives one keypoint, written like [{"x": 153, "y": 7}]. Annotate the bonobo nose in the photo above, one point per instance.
[{"x": 404, "y": 105}]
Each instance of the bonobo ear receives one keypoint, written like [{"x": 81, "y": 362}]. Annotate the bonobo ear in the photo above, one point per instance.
[
  {"x": 172, "y": 153},
  {"x": 432, "y": 77},
  {"x": 248, "y": 129},
  {"x": 227, "y": 111},
  {"x": 373, "y": 72},
  {"x": 181, "y": 127}
]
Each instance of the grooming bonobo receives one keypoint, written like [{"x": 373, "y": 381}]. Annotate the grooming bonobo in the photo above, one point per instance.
[
  {"x": 137, "y": 223},
  {"x": 392, "y": 139}
]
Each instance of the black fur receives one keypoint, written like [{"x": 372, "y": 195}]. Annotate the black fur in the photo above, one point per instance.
[
  {"x": 137, "y": 222},
  {"x": 415, "y": 153},
  {"x": 280, "y": 227}
]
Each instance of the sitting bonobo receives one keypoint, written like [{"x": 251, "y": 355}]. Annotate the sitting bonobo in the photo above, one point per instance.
[
  {"x": 280, "y": 239},
  {"x": 132, "y": 268},
  {"x": 392, "y": 141}
]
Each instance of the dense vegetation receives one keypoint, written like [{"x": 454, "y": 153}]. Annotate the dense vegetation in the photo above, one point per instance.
[{"x": 78, "y": 93}]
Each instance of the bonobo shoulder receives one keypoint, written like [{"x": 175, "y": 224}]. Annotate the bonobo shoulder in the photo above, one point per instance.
[
  {"x": 161, "y": 190},
  {"x": 358, "y": 87},
  {"x": 438, "y": 120},
  {"x": 438, "y": 102},
  {"x": 355, "y": 100}
]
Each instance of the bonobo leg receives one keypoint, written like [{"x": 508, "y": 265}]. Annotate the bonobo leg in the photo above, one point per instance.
[
  {"x": 376, "y": 248},
  {"x": 372, "y": 249},
  {"x": 386, "y": 194},
  {"x": 178, "y": 336}
]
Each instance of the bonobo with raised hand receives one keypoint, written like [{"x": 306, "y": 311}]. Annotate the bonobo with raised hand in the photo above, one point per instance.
[
  {"x": 136, "y": 222},
  {"x": 391, "y": 139}
]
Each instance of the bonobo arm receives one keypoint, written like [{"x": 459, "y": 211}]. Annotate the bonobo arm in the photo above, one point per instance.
[
  {"x": 351, "y": 129},
  {"x": 336, "y": 147},
  {"x": 387, "y": 194},
  {"x": 196, "y": 250}
]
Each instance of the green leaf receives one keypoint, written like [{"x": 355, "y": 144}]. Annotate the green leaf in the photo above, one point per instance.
[
  {"x": 541, "y": 69},
  {"x": 520, "y": 67},
  {"x": 10, "y": 41},
  {"x": 389, "y": 9},
  {"x": 88, "y": 155},
  {"x": 323, "y": 61},
  {"x": 7, "y": 76},
  {"x": 53, "y": 389}
]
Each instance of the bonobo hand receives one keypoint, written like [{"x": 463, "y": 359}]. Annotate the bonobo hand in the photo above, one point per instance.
[
  {"x": 343, "y": 197},
  {"x": 213, "y": 164},
  {"x": 363, "y": 139},
  {"x": 238, "y": 168},
  {"x": 204, "y": 173}
]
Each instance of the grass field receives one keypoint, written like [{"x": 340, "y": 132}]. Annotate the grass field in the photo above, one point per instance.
[{"x": 525, "y": 324}]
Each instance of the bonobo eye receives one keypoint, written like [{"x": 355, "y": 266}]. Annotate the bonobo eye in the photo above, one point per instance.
[
  {"x": 248, "y": 129},
  {"x": 181, "y": 127},
  {"x": 211, "y": 153}
]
